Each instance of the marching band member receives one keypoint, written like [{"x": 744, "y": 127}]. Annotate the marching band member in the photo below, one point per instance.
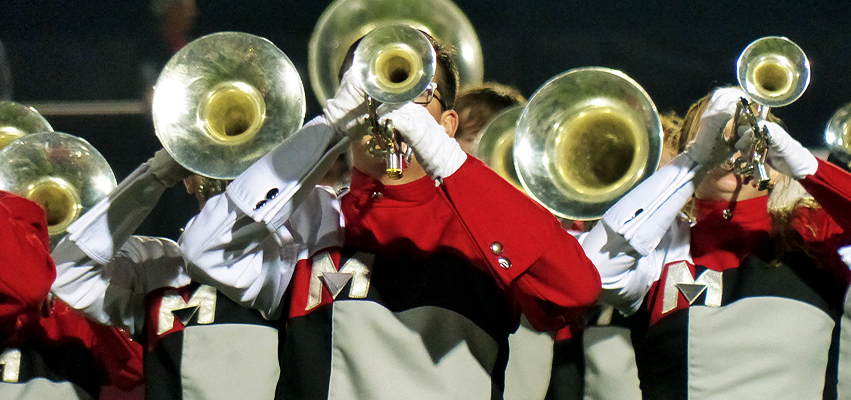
[
  {"x": 47, "y": 350},
  {"x": 198, "y": 343},
  {"x": 397, "y": 289},
  {"x": 743, "y": 302}
]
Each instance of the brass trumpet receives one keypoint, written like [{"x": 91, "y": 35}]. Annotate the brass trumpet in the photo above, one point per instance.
[
  {"x": 584, "y": 140},
  {"x": 773, "y": 72},
  {"x": 396, "y": 63},
  {"x": 345, "y": 21}
]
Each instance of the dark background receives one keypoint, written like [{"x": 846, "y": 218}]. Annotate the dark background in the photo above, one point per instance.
[{"x": 677, "y": 50}]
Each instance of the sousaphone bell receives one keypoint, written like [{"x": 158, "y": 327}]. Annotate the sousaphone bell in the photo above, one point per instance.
[
  {"x": 17, "y": 120},
  {"x": 495, "y": 144},
  {"x": 584, "y": 140},
  {"x": 224, "y": 101},
  {"x": 64, "y": 174},
  {"x": 345, "y": 21}
]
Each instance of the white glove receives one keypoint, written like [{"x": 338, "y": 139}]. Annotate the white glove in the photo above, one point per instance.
[
  {"x": 845, "y": 253},
  {"x": 439, "y": 154},
  {"x": 165, "y": 170},
  {"x": 348, "y": 107},
  {"x": 709, "y": 147},
  {"x": 785, "y": 154}
]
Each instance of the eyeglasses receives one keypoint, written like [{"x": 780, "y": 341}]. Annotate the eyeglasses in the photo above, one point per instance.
[{"x": 428, "y": 95}]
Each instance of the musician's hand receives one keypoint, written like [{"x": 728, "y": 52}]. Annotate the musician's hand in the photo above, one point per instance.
[
  {"x": 165, "y": 170},
  {"x": 347, "y": 108},
  {"x": 709, "y": 147},
  {"x": 785, "y": 154},
  {"x": 439, "y": 154},
  {"x": 845, "y": 254}
]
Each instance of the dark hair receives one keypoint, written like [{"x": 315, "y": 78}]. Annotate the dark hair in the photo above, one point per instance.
[
  {"x": 484, "y": 102},
  {"x": 447, "y": 79}
]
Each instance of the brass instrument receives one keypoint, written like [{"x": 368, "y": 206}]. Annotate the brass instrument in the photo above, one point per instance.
[
  {"x": 17, "y": 120},
  {"x": 837, "y": 134},
  {"x": 773, "y": 72},
  {"x": 395, "y": 63},
  {"x": 495, "y": 144},
  {"x": 224, "y": 101},
  {"x": 346, "y": 21},
  {"x": 63, "y": 173},
  {"x": 585, "y": 139}
]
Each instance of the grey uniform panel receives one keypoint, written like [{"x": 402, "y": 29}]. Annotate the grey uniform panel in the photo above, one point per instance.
[
  {"x": 422, "y": 353},
  {"x": 758, "y": 347},
  {"x": 530, "y": 363},
  {"x": 610, "y": 369},
  {"x": 215, "y": 358},
  {"x": 844, "y": 381},
  {"x": 41, "y": 389}
]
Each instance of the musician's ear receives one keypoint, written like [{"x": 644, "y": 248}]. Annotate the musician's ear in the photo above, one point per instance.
[{"x": 449, "y": 120}]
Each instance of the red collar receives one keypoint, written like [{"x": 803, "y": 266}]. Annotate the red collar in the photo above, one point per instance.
[
  {"x": 751, "y": 214},
  {"x": 364, "y": 188}
]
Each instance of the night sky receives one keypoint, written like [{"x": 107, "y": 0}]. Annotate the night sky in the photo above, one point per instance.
[{"x": 677, "y": 50}]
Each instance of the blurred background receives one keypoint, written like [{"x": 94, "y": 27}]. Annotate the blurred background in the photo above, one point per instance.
[{"x": 108, "y": 54}]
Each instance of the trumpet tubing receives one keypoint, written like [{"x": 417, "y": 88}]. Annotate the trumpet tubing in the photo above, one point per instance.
[
  {"x": 599, "y": 152},
  {"x": 233, "y": 112},
  {"x": 60, "y": 201}
]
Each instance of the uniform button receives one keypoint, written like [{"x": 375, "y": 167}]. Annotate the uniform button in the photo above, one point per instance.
[
  {"x": 504, "y": 263},
  {"x": 496, "y": 248},
  {"x": 271, "y": 194},
  {"x": 260, "y": 203},
  {"x": 377, "y": 196}
]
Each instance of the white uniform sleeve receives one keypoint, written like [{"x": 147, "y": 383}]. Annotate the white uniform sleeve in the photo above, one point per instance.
[
  {"x": 114, "y": 293},
  {"x": 105, "y": 274},
  {"x": 247, "y": 241},
  {"x": 623, "y": 245}
]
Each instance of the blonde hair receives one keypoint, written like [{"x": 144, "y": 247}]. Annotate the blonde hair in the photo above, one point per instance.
[{"x": 786, "y": 199}]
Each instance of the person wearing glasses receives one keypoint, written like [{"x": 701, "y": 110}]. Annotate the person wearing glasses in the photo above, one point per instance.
[
  {"x": 737, "y": 295},
  {"x": 396, "y": 289}
]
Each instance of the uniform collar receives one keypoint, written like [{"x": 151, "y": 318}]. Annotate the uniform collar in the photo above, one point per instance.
[
  {"x": 751, "y": 213},
  {"x": 365, "y": 188}
]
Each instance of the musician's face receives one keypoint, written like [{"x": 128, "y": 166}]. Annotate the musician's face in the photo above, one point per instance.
[{"x": 375, "y": 166}]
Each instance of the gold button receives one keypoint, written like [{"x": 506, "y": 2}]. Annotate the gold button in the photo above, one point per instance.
[
  {"x": 504, "y": 263},
  {"x": 377, "y": 196},
  {"x": 496, "y": 248},
  {"x": 727, "y": 214}
]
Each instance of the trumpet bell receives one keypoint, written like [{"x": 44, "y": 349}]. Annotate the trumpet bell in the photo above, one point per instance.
[
  {"x": 345, "y": 21},
  {"x": 64, "y": 174},
  {"x": 837, "y": 134},
  {"x": 396, "y": 62},
  {"x": 773, "y": 71},
  {"x": 224, "y": 101},
  {"x": 495, "y": 144},
  {"x": 17, "y": 120},
  {"x": 584, "y": 140}
]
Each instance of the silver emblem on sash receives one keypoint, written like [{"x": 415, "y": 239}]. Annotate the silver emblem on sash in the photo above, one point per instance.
[
  {"x": 10, "y": 360},
  {"x": 679, "y": 280},
  {"x": 357, "y": 269},
  {"x": 202, "y": 302}
]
